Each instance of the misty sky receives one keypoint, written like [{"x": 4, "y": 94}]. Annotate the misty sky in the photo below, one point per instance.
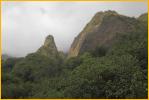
[{"x": 26, "y": 24}]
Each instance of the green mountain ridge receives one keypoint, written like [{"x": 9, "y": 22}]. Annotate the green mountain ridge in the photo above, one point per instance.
[{"x": 108, "y": 59}]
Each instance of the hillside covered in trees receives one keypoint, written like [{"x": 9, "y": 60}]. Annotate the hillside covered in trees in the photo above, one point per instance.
[{"x": 108, "y": 59}]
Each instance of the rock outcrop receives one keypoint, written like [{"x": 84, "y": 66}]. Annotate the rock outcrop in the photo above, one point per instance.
[
  {"x": 101, "y": 30},
  {"x": 49, "y": 48}
]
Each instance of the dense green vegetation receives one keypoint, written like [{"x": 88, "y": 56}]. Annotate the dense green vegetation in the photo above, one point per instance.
[{"x": 116, "y": 72}]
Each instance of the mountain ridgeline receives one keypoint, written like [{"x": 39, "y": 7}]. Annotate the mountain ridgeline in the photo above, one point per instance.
[
  {"x": 102, "y": 31},
  {"x": 108, "y": 59}
]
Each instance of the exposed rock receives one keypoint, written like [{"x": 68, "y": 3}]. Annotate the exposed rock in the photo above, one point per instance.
[
  {"x": 101, "y": 30},
  {"x": 49, "y": 48}
]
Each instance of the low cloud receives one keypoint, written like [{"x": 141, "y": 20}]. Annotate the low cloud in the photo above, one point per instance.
[{"x": 26, "y": 24}]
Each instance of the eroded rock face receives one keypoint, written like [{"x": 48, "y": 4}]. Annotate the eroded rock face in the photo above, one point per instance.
[
  {"x": 49, "y": 48},
  {"x": 101, "y": 30}
]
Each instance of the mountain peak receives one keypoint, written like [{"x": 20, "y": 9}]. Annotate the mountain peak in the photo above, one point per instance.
[
  {"x": 49, "y": 48},
  {"x": 108, "y": 12},
  {"x": 49, "y": 41},
  {"x": 101, "y": 30}
]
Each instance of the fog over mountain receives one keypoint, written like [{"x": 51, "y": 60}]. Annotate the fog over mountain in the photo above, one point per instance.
[{"x": 25, "y": 25}]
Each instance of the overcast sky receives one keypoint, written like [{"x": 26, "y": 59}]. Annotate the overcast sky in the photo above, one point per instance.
[{"x": 26, "y": 24}]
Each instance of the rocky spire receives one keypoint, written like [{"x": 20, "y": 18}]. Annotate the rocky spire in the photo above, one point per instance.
[
  {"x": 49, "y": 48},
  {"x": 49, "y": 42}
]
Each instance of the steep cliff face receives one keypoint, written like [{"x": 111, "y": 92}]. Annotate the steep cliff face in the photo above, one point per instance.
[
  {"x": 49, "y": 48},
  {"x": 101, "y": 30}
]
